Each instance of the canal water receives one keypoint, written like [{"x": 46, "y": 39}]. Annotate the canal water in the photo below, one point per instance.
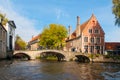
[{"x": 37, "y": 70}]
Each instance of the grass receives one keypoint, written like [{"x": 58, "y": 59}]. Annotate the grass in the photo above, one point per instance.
[{"x": 52, "y": 58}]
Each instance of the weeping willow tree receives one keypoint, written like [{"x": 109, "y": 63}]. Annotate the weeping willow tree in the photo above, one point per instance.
[
  {"x": 3, "y": 18},
  {"x": 116, "y": 11}
]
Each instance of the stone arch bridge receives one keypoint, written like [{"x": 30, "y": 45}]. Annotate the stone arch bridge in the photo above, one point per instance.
[{"x": 33, "y": 54}]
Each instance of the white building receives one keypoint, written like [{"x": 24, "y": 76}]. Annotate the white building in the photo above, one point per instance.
[{"x": 10, "y": 28}]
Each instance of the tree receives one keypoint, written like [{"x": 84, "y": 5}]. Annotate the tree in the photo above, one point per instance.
[
  {"x": 3, "y": 18},
  {"x": 53, "y": 36},
  {"x": 116, "y": 11},
  {"x": 19, "y": 43}
]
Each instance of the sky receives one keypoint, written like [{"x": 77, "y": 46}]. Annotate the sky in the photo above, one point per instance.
[{"x": 31, "y": 16}]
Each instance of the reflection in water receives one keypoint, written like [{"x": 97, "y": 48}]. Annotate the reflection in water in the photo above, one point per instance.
[{"x": 37, "y": 70}]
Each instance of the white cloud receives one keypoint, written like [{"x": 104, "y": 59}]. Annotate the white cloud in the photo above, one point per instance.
[
  {"x": 25, "y": 27},
  {"x": 60, "y": 13}
]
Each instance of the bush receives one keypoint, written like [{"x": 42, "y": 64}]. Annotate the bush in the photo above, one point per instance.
[
  {"x": 92, "y": 56},
  {"x": 106, "y": 56},
  {"x": 97, "y": 55}
]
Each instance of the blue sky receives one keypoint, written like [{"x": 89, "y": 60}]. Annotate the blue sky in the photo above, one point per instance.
[{"x": 31, "y": 16}]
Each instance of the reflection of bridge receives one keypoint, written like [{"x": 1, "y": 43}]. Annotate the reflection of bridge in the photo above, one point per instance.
[{"x": 34, "y": 54}]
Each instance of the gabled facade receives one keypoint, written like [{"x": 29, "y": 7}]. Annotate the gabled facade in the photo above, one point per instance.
[
  {"x": 10, "y": 28},
  {"x": 3, "y": 41},
  {"x": 87, "y": 38}
]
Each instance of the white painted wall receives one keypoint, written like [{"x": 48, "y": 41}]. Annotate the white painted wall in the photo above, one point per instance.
[{"x": 10, "y": 32}]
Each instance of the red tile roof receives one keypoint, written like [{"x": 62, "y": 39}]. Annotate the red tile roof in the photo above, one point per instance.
[
  {"x": 35, "y": 38},
  {"x": 112, "y": 45},
  {"x": 73, "y": 35}
]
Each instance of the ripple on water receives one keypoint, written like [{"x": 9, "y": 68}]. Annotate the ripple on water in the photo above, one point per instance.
[{"x": 36, "y": 70}]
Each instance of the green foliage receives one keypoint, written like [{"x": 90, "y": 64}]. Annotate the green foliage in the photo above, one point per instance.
[
  {"x": 116, "y": 11},
  {"x": 19, "y": 43},
  {"x": 53, "y": 36},
  {"x": 3, "y": 18},
  {"x": 48, "y": 57},
  {"x": 93, "y": 56},
  {"x": 114, "y": 57},
  {"x": 106, "y": 56}
]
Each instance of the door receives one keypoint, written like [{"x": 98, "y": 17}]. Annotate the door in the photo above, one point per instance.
[{"x": 10, "y": 43}]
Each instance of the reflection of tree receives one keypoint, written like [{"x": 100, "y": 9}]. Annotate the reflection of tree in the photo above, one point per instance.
[
  {"x": 91, "y": 71},
  {"x": 52, "y": 68}
]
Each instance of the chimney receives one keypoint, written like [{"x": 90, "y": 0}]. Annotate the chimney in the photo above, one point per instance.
[
  {"x": 78, "y": 27},
  {"x": 78, "y": 20},
  {"x": 69, "y": 32},
  {"x": 32, "y": 36}
]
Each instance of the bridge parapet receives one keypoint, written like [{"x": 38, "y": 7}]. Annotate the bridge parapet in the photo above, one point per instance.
[{"x": 34, "y": 54}]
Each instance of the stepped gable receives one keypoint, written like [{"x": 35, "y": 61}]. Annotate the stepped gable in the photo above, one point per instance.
[
  {"x": 85, "y": 25},
  {"x": 95, "y": 24}
]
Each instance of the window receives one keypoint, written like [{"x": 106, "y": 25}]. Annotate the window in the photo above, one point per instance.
[
  {"x": 98, "y": 40},
  {"x": 91, "y": 49},
  {"x": 97, "y": 47},
  {"x": 97, "y": 31},
  {"x": 85, "y": 39},
  {"x": 90, "y": 30},
  {"x": 92, "y": 40},
  {"x": 86, "y": 48}
]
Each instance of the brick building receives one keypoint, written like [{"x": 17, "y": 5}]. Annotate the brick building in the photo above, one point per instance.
[
  {"x": 112, "y": 46},
  {"x": 3, "y": 41},
  {"x": 87, "y": 38},
  {"x": 33, "y": 44}
]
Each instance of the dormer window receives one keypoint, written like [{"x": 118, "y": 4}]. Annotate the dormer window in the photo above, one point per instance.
[
  {"x": 90, "y": 30},
  {"x": 96, "y": 31}
]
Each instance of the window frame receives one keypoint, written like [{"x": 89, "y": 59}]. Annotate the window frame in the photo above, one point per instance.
[
  {"x": 90, "y": 31},
  {"x": 96, "y": 31},
  {"x": 92, "y": 40},
  {"x": 85, "y": 39}
]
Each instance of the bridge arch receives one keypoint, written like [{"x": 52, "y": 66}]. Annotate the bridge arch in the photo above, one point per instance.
[
  {"x": 82, "y": 58},
  {"x": 60, "y": 55},
  {"x": 21, "y": 55}
]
